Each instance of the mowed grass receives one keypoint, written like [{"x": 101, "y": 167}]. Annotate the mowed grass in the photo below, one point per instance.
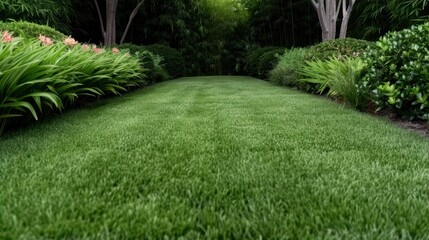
[{"x": 214, "y": 158}]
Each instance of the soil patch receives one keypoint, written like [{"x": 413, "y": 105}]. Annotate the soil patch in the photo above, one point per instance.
[{"x": 418, "y": 126}]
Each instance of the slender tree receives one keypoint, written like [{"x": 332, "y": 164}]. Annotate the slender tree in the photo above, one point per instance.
[
  {"x": 108, "y": 27},
  {"x": 328, "y": 12}
]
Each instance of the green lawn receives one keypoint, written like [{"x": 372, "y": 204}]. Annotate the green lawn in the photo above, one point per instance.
[{"x": 214, "y": 157}]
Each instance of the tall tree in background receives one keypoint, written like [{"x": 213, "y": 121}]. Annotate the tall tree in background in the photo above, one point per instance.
[
  {"x": 328, "y": 11},
  {"x": 108, "y": 27}
]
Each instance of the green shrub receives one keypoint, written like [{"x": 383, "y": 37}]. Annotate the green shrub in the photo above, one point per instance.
[
  {"x": 173, "y": 61},
  {"x": 35, "y": 76},
  {"x": 268, "y": 61},
  {"x": 286, "y": 72},
  {"x": 398, "y": 72},
  {"x": 154, "y": 63},
  {"x": 132, "y": 48},
  {"x": 153, "y": 69},
  {"x": 253, "y": 57},
  {"x": 31, "y": 30},
  {"x": 340, "y": 78},
  {"x": 338, "y": 48}
]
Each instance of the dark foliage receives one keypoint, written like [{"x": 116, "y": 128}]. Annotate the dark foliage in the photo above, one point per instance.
[
  {"x": 172, "y": 60},
  {"x": 253, "y": 57},
  {"x": 398, "y": 72},
  {"x": 268, "y": 61},
  {"x": 31, "y": 30}
]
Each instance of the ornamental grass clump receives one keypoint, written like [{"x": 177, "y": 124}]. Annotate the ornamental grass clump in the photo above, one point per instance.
[
  {"x": 286, "y": 72},
  {"x": 339, "y": 79},
  {"x": 41, "y": 74}
]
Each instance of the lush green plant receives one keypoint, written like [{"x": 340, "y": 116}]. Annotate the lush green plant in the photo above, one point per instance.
[
  {"x": 268, "y": 61},
  {"x": 338, "y": 48},
  {"x": 152, "y": 64},
  {"x": 208, "y": 33},
  {"x": 31, "y": 30},
  {"x": 253, "y": 57},
  {"x": 172, "y": 60},
  {"x": 55, "y": 13},
  {"x": 375, "y": 18},
  {"x": 132, "y": 48},
  {"x": 339, "y": 78},
  {"x": 398, "y": 72},
  {"x": 286, "y": 72},
  {"x": 36, "y": 75}
]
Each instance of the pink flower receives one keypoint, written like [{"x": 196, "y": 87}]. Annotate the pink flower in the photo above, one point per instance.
[
  {"x": 45, "y": 40},
  {"x": 7, "y": 37},
  {"x": 95, "y": 49},
  {"x": 85, "y": 47},
  {"x": 70, "y": 41},
  {"x": 115, "y": 50}
]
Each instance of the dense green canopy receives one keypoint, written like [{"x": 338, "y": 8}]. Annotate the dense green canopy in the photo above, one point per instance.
[{"x": 214, "y": 34}]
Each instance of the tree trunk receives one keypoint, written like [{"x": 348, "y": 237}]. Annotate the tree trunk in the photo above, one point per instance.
[
  {"x": 132, "y": 16},
  {"x": 111, "y": 6},
  {"x": 347, "y": 10},
  {"x": 328, "y": 11},
  {"x": 109, "y": 30}
]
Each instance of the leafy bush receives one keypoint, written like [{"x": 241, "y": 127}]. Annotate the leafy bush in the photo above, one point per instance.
[
  {"x": 338, "y": 48},
  {"x": 153, "y": 69},
  {"x": 132, "y": 48},
  {"x": 398, "y": 72},
  {"x": 267, "y": 62},
  {"x": 253, "y": 57},
  {"x": 152, "y": 62},
  {"x": 173, "y": 61},
  {"x": 36, "y": 74},
  {"x": 339, "y": 77},
  {"x": 31, "y": 30},
  {"x": 286, "y": 72}
]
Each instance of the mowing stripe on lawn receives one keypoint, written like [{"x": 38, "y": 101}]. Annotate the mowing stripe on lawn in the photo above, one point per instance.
[{"x": 214, "y": 157}]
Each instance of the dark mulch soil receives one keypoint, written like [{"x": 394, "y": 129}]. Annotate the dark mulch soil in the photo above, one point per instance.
[{"x": 418, "y": 126}]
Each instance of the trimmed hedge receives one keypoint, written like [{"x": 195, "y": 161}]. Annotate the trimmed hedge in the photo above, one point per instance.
[
  {"x": 31, "y": 30},
  {"x": 338, "y": 48}
]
